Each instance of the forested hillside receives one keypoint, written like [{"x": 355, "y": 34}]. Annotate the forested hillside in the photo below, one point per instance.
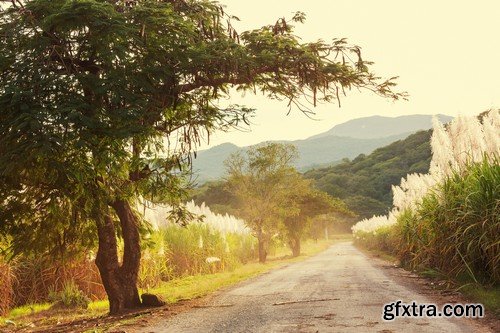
[{"x": 365, "y": 182}]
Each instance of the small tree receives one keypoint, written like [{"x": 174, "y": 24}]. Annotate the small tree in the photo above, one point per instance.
[
  {"x": 101, "y": 101},
  {"x": 257, "y": 180},
  {"x": 303, "y": 204}
]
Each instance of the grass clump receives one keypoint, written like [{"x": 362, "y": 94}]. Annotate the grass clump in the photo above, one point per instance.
[{"x": 69, "y": 297}]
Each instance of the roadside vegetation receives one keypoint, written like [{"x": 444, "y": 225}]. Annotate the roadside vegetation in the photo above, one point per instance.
[
  {"x": 447, "y": 222},
  {"x": 182, "y": 288}
]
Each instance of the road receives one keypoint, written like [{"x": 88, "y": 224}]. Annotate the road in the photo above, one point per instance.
[{"x": 339, "y": 290}]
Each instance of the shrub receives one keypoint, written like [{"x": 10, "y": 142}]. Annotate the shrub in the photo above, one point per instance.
[{"x": 69, "y": 297}]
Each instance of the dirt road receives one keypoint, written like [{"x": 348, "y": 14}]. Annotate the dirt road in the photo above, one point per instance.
[{"x": 339, "y": 290}]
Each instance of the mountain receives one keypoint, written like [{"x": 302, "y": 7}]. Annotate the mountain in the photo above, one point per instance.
[
  {"x": 365, "y": 182},
  {"x": 347, "y": 140},
  {"x": 209, "y": 164},
  {"x": 379, "y": 126}
]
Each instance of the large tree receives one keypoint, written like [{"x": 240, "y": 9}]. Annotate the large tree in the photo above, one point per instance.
[{"x": 102, "y": 101}]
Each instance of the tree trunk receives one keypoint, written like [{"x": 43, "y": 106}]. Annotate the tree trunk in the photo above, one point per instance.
[
  {"x": 129, "y": 269},
  {"x": 295, "y": 245},
  {"x": 120, "y": 281},
  {"x": 262, "y": 247},
  {"x": 107, "y": 262}
]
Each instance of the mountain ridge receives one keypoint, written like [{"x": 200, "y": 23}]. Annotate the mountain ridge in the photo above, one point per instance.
[
  {"x": 325, "y": 149},
  {"x": 382, "y": 126}
]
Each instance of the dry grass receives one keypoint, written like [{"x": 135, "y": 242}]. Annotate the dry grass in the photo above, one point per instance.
[{"x": 6, "y": 290}]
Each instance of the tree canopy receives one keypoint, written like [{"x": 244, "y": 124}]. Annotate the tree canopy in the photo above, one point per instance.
[{"x": 303, "y": 203}]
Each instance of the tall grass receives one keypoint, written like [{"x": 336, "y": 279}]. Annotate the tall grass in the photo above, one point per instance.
[
  {"x": 188, "y": 249},
  {"x": 6, "y": 290},
  {"x": 449, "y": 220},
  {"x": 456, "y": 227},
  {"x": 36, "y": 276},
  {"x": 168, "y": 253}
]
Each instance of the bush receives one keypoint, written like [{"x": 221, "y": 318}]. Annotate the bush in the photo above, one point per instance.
[{"x": 69, "y": 297}]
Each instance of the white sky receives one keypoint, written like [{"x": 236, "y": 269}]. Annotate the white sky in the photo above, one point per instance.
[{"x": 446, "y": 53}]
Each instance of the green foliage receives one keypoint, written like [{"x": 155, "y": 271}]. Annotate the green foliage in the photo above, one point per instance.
[
  {"x": 488, "y": 296},
  {"x": 103, "y": 102},
  {"x": 304, "y": 204},
  {"x": 263, "y": 188},
  {"x": 69, "y": 297},
  {"x": 272, "y": 196},
  {"x": 258, "y": 181},
  {"x": 365, "y": 182},
  {"x": 453, "y": 231},
  {"x": 215, "y": 195},
  {"x": 384, "y": 239}
]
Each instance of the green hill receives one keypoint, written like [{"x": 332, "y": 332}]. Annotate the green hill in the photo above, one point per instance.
[{"x": 365, "y": 182}]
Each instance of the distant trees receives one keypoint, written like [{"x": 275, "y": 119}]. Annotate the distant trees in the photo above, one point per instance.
[
  {"x": 216, "y": 195},
  {"x": 101, "y": 103},
  {"x": 304, "y": 203},
  {"x": 272, "y": 196},
  {"x": 258, "y": 180}
]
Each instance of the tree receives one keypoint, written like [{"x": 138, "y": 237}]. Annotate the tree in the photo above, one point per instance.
[
  {"x": 257, "y": 180},
  {"x": 102, "y": 102},
  {"x": 304, "y": 203}
]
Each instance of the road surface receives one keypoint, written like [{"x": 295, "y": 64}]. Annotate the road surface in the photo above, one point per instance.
[{"x": 339, "y": 290}]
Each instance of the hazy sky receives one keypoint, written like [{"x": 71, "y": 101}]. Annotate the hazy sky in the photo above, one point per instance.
[{"x": 446, "y": 53}]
